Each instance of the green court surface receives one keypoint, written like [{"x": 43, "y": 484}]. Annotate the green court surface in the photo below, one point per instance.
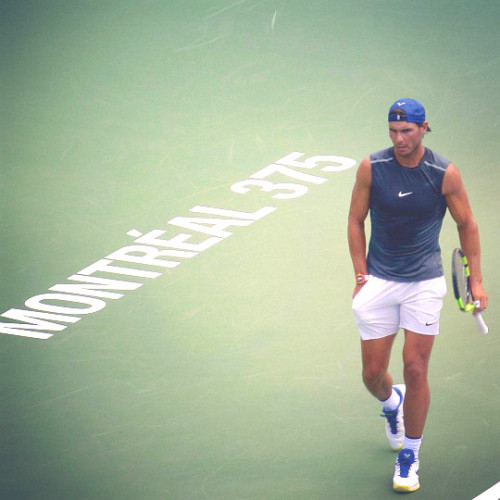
[{"x": 235, "y": 372}]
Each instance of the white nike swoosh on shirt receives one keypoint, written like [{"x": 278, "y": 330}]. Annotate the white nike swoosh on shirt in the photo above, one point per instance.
[{"x": 402, "y": 195}]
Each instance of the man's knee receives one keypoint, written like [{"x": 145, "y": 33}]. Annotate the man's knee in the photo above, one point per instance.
[
  {"x": 416, "y": 355},
  {"x": 373, "y": 374},
  {"x": 415, "y": 370}
]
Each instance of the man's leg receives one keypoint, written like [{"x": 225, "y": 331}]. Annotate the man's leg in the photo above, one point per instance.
[
  {"x": 376, "y": 354},
  {"x": 416, "y": 355},
  {"x": 378, "y": 318}
]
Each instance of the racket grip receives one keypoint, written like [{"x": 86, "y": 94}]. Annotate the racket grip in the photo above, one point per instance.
[{"x": 481, "y": 325}]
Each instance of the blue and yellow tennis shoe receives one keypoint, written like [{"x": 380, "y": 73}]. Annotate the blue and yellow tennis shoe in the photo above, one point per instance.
[
  {"x": 394, "y": 424},
  {"x": 405, "y": 477}
]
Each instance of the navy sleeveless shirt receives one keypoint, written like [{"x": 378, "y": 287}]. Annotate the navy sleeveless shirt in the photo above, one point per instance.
[{"x": 407, "y": 208}]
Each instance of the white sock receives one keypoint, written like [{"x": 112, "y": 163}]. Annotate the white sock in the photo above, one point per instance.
[
  {"x": 392, "y": 402},
  {"x": 412, "y": 444}
]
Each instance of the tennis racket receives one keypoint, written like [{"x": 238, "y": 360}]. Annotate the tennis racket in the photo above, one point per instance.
[{"x": 461, "y": 287}]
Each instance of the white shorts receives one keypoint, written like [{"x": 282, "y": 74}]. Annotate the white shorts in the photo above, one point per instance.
[{"x": 382, "y": 307}]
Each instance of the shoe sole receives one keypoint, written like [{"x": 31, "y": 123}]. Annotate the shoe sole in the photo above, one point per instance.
[{"x": 405, "y": 489}]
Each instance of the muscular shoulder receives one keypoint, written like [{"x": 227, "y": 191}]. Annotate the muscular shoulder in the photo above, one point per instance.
[
  {"x": 374, "y": 160},
  {"x": 364, "y": 174},
  {"x": 452, "y": 181}
]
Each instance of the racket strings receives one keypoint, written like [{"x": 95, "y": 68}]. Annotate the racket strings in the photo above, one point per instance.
[{"x": 461, "y": 279}]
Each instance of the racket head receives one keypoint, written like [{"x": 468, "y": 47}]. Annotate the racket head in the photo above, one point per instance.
[{"x": 460, "y": 277}]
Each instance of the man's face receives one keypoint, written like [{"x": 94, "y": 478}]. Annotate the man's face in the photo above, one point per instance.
[{"x": 406, "y": 136}]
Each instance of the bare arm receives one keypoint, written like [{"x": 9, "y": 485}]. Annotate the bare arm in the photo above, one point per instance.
[
  {"x": 468, "y": 232},
  {"x": 360, "y": 202}
]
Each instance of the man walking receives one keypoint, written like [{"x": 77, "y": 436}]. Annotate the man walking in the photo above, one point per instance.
[{"x": 406, "y": 189}]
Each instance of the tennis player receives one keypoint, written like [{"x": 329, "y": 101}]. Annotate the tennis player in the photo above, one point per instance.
[{"x": 406, "y": 189}]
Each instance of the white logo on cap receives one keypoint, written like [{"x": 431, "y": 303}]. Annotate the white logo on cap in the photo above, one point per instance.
[{"x": 401, "y": 103}]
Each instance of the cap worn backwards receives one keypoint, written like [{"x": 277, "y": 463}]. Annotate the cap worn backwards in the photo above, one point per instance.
[{"x": 407, "y": 110}]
